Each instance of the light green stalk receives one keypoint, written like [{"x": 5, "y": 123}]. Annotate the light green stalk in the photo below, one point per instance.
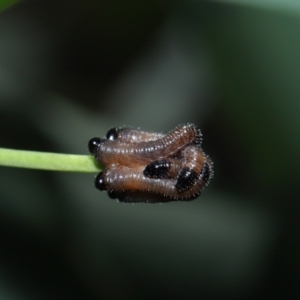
[{"x": 48, "y": 161}]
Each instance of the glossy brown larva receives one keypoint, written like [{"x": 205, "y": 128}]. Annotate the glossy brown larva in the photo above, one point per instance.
[
  {"x": 143, "y": 166},
  {"x": 128, "y": 153}
]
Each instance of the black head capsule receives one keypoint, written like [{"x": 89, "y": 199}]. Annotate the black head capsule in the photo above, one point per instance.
[
  {"x": 94, "y": 144},
  {"x": 113, "y": 133},
  {"x": 99, "y": 182}
]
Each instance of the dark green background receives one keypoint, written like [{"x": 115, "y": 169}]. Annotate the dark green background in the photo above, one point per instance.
[{"x": 70, "y": 70}]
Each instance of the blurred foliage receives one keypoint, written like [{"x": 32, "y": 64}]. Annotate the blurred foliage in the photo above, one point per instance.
[
  {"x": 70, "y": 70},
  {"x": 282, "y": 6},
  {"x": 6, "y": 3}
]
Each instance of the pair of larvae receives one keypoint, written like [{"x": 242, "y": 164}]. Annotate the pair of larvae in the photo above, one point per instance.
[{"x": 141, "y": 166}]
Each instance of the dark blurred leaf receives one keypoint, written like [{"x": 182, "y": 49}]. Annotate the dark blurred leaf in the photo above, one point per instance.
[
  {"x": 291, "y": 6},
  {"x": 5, "y": 3}
]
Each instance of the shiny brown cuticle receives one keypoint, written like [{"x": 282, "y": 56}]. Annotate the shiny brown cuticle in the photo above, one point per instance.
[{"x": 142, "y": 166}]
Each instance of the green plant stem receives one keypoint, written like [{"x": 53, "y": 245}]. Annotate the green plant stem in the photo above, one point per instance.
[{"x": 48, "y": 161}]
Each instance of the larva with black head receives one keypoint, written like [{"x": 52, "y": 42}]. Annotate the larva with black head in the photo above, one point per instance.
[
  {"x": 193, "y": 167},
  {"x": 111, "y": 152},
  {"x": 186, "y": 167},
  {"x": 133, "y": 186}
]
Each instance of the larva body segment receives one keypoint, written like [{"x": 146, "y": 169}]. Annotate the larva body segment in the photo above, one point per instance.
[
  {"x": 192, "y": 164},
  {"x": 136, "y": 197},
  {"x": 207, "y": 171},
  {"x": 130, "y": 135},
  {"x": 193, "y": 158}
]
